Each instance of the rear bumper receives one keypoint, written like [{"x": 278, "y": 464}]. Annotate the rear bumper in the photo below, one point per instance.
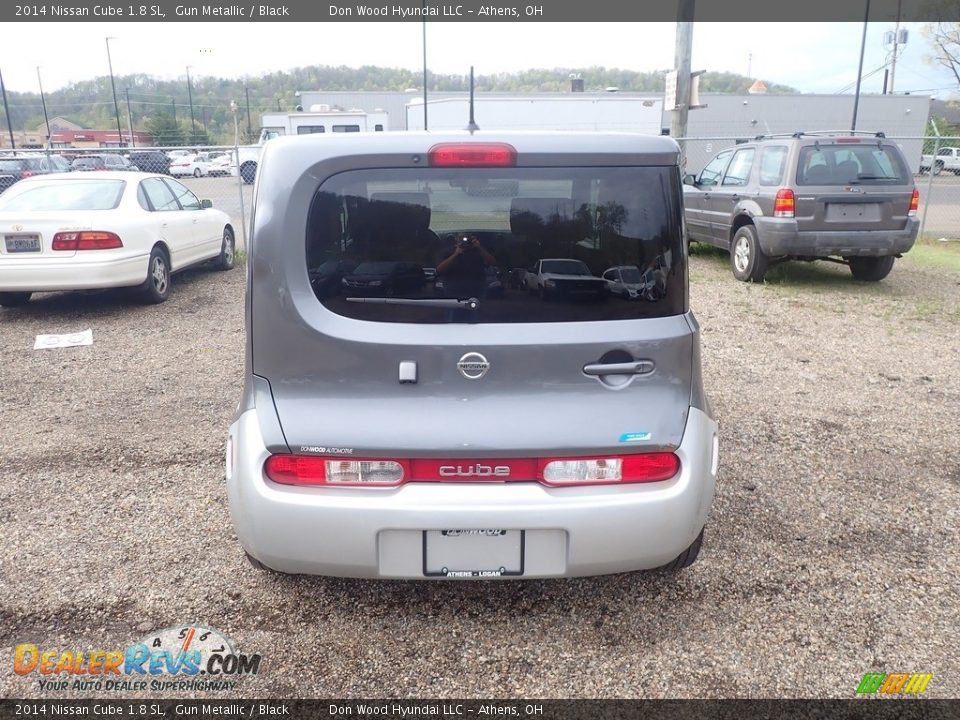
[
  {"x": 780, "y": 236},
  {"x": 379, "y": 532},
  {"x": 22, "y": 275}
]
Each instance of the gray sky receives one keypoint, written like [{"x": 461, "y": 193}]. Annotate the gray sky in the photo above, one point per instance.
[{"x": 813, "y": 57}]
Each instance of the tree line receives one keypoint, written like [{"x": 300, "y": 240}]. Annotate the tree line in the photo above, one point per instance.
[{"x": 163, "y": 107}]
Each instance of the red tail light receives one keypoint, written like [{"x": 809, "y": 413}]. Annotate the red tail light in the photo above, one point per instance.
[
  {"x": 86, "y": 240},
  {"x": 472, "y": 155},
  {"x": 312, "y": 470},
  {"x": 26, "y": 174},
  {"x": 914, "y": 203},
  {"x": 785, "y": 204}
]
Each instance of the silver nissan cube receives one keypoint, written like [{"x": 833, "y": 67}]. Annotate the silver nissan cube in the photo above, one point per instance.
[{"x": 441, "y": 383}]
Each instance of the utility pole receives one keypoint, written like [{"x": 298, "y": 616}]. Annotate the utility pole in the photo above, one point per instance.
[
  {"x": 246, "y": 91},
  {"x": 682, "y": 52},
  {"x": 113, "y": 86},
  {"x": 133, "y": 142},
  {"x": 193, "y": 121},
  {"x": 424, "y": 70},
  {"x": 896, "y": 36},
  {"x": 863, "y": 45}
]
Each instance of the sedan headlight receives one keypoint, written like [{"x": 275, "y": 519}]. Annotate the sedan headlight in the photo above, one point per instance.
[{"x": 549, "y": 283}]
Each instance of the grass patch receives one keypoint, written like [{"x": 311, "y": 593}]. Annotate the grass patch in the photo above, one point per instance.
[
  {"x": 932, "y": 253},
  {"x": 240, "y": 257}
]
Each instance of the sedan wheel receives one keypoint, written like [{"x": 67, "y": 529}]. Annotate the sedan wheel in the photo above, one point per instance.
[
  {"x": 228, "y": 253},
  {"x": 156, "y": 288},
  {"x": 197, "y": 173}
]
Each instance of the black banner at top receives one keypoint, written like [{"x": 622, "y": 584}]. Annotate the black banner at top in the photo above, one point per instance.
[{"x": 478, "y": 11}]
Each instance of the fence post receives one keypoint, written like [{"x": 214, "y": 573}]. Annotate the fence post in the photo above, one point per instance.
[
  {"x": 236, "y": 155},
  {"x": 933, "y": 164}
]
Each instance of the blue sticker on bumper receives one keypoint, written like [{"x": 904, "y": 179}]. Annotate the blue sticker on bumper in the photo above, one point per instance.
[{"x": 634, "y": 437}]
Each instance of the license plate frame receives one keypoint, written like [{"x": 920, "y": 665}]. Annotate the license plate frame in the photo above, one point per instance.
[
  {"x": 854, "y": 212},
  {"x": 15, "y": 243},
  {"x": 502, "y": 552}
]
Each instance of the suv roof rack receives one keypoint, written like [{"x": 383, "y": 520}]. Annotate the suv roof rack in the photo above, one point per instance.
[{"x": 820, "y": 133}]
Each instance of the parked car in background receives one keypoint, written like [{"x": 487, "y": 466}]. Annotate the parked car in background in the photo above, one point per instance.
[
  {"x": 624, "y": 281},
  {"x": 104, "y": 230},
  {"x": 383, "y": 279},
  {"x": 806, "y": 196},
  {"x": 947, "y": 158},
  {"x": 196, "y": 165},
  {"x": 564, "y": 278},
  {"x": 85, "y": 163},
  {"x": 220, "y": 165},
  {"x": 325, "y": 279},
  {"x": 150, "y": 161},
  {"x": 14, "y": 168},
  {"x": 388, "y": 432}
]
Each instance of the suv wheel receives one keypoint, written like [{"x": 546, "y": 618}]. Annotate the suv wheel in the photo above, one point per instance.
[
  {"x": 937, "y": 167},
  {"x": 746, "y": 258},
  {"x": 14, "y": 299},
  {"x": 871, "y": 269}
]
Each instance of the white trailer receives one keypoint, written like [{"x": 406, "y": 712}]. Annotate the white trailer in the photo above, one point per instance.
[
  {"x": 320, "y": 119},
  {"x": 530, "y": 112}
]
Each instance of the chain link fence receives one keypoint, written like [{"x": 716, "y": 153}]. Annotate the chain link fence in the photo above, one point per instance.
[{"x": 210, "y": 174}]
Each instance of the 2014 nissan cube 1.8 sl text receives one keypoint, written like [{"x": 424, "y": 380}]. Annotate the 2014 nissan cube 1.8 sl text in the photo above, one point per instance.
[{"x": 397, "y": 423}]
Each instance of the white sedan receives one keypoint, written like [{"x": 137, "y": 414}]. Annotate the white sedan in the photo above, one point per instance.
[
  {"x": 196, "y": 165},
  {"x": 104, "y": 230}
]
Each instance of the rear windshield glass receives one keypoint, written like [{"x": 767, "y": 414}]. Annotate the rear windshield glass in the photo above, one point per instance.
[
  {"x": 851, "y": 164},
  {"x": 64, "y": 195},
  {"x": 88, "y": 162},
  {"x": 497, "y": 245}
]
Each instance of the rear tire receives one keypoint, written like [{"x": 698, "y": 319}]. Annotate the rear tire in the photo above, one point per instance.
[
  {"x": 871, "y": 269},
  {"x": 228, "y": 251},
  {"x": 14, "y": 299},
  {"x": 937, "y": 168},
  {"x": 197, "y": 173},
  {"x": 747, "y": 260},
  {"x": 259, "y": 565},
  {"x": 686, "y": 558},
  {"x": 156, "y": 288}
]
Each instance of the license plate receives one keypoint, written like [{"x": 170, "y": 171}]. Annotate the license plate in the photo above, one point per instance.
[
  {"x": 853, "y": 211},
  {"x": 472, "y": 553},
  {"x": 22, "y": 243}
]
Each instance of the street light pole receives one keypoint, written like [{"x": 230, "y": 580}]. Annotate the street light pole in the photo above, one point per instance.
[
  {"x": 193, "y": 121},
  {"x": 113, "y": 85},
  {"x": 43, "y": 101}
]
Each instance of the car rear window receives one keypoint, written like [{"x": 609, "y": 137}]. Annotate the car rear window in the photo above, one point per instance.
[
  {"x": 848, "y": 164},
  {"x": 64, "y": 195},
  {"x": 382, "y": 244}
]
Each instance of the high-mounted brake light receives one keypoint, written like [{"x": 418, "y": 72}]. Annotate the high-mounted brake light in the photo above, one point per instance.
[
  {"x": 86, "y": 240},
  {"x": 785, "y": 204},
  {"x": 914, "y": 204},
  {"x": 847, "y": 140},
  {"x": 313, "y": 470},
  {"x": 472, "y": 155}
]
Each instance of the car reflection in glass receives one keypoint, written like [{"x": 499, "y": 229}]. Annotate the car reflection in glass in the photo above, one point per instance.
[
  {"x": 564, "y": 278},
  {"x": 326, "y": 279},
  {"x": 384, "y": 279}
]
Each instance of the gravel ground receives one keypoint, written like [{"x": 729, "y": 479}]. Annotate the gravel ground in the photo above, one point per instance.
[{"x": 831, "y": 549}]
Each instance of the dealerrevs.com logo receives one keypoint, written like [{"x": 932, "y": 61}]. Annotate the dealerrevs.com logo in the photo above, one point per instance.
[{"x": 182, "y": 658}]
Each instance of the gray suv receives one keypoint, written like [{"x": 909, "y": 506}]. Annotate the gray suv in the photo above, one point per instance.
[
  {"x": 807, "y": 196},
  {"x": 457, "y": 428}
]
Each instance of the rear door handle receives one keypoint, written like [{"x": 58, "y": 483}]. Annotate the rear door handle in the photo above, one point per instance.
[{"x": 637, "y": 367}]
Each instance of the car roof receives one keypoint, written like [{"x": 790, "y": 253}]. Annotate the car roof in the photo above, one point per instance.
[{"x": 87, "y": 177}]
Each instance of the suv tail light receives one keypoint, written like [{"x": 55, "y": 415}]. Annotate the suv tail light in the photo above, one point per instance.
[
  {"x": 313, "y": 470},
  {"x": 86, "y": 240},
  {"x": 785, "y": 204},
  {"x": 914, "y": 204}
]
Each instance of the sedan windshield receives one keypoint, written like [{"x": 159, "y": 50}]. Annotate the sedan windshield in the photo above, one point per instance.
[
  {"x": 63, "y": 195},
  {"x": 630, "y": 275}
]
